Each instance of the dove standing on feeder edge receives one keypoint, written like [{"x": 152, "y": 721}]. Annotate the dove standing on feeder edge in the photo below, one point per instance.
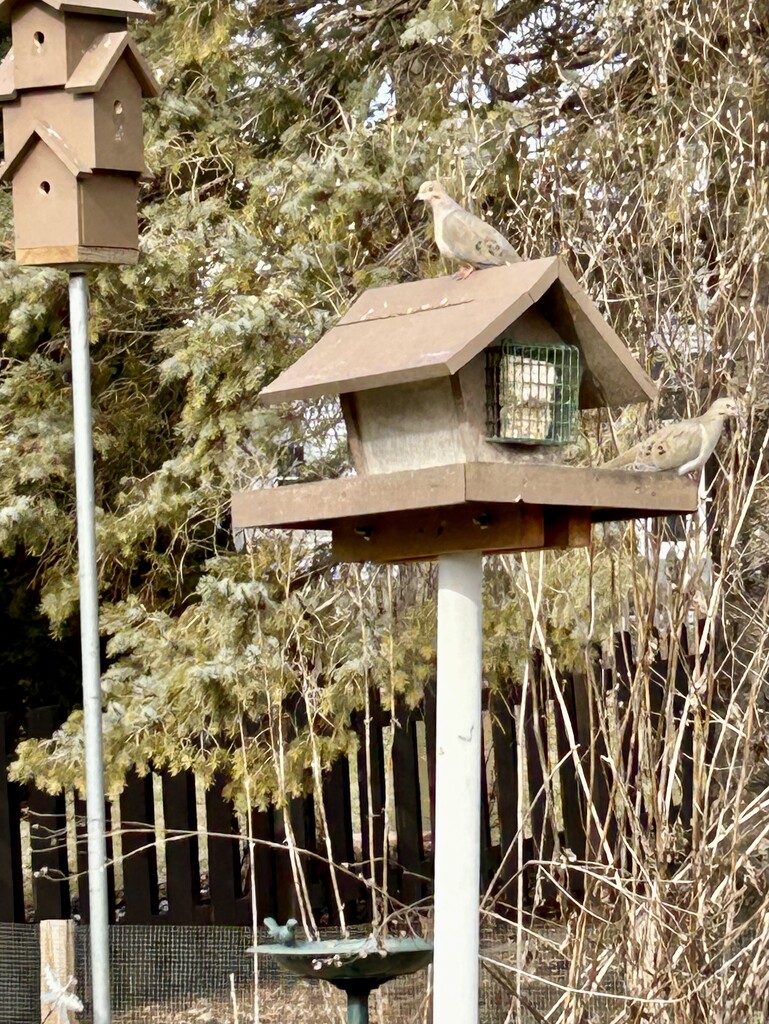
[
  {"x": 282, "y": 933},
  {"x": 462, "y": 236},
  {"x": 684, "y": 446}
]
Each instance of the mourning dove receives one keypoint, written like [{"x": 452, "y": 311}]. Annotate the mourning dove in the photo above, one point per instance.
[
  {"x": 462, "y": 236},
  {"x": 685, "y": 446},
  {"x": 283, "y": 933}
]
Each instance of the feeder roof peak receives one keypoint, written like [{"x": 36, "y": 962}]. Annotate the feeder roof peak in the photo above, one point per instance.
[
  {"x": 431, "y": 328},
  {"x": 100, "y": 59},
  {"x": 40, "y": 132}
]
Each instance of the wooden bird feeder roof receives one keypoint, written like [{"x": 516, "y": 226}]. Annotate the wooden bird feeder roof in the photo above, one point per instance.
[
  {"x": 432, "y": 328},
  {"x": 95, "y": 67},
  {"x": 43, "y": 133},
  {"x": 101, "y": 8},
  {"x": 100, "y": 59}
]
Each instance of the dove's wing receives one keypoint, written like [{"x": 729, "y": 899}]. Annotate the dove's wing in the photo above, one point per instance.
[
  {"x": 469, "y": 239},
  {"x": 670, "y": 447}
]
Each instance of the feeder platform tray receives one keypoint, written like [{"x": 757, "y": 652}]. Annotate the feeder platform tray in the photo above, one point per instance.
[{"x": 474, "y": 506}]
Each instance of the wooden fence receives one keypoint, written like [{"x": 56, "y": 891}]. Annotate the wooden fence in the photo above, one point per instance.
[{"x": 533, "y": 803}]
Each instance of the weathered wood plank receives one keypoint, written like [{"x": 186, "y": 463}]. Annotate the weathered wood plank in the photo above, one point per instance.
[
  {"x": 336, "y": 801},
  {"x": 224, "y": 884},
  {"x": 57, "y": 959},
  {"x": 428, "y": 712},
  {"x": 389, "y": 492},
  {"x": 371, "y": 814},
  {"x": 47, "y": 815},
  {"x": 75, "y": 257},
  {"x": 81, "y": 836},
  {"x": 593, "y": 756},
  {"x": 287, "y": 898},
  {"x": 572, "y": 795},
  {"x": 182, "y": 864},
  {"x": 263, "y": 831},
  {"x": 11, "y": 881},
  {"x": 684, "y": 670},
  {"x": 489, "y": 854},
  {"x": 408, "y": 812},
  {"x": 536, "y": 742},
  {"x": 427, "y": 533},
  {"x": 140, "y": 872},
  {"x": 581, "y": 487},
  {"x": 503, "y": 731}
]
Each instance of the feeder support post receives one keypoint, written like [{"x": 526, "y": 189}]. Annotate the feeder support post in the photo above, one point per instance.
[
  {"x": 457, "y": 788},
  {"x": 89, "y": 646}
]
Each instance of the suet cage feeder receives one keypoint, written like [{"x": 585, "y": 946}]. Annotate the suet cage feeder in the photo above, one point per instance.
[{"x": 532, "y": 393}]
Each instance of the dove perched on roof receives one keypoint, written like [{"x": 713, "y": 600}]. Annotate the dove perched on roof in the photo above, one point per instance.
[
  {"x": 283, "y": 933},
  {"x": 684, "y": 446},
  {"x": 462, "y": 236}
]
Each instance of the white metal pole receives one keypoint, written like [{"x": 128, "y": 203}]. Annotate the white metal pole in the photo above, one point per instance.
[
  {"x": 89, "y": 646},
  {"x": 457, "y": 789}
]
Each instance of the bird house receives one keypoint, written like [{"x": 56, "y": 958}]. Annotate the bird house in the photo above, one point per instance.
[
  {"x": 461, "y": 401},
  {"x": 72, "y": 87}
]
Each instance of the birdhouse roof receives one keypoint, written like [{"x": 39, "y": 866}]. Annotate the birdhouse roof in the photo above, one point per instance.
[
  {"x": 99, "y": 61},
  {"x": 7, "y": 78},
  {"x": 43, "y": 133},
  {"x": 102, "y": 8},
  {"x": 432, "y": 328}
]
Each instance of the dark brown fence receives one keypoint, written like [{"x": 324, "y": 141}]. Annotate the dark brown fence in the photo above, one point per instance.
[{"x": 533, "y": 800}]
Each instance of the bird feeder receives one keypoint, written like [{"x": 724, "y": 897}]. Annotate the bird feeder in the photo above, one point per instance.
[
  {"x": 72, "y": 87},
  {"x": 461, "y": 399}
]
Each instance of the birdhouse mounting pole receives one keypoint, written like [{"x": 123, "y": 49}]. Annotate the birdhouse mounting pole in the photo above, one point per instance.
[
  {"x": 89, "y": 646},
  {"x": 457, "y": 788}
]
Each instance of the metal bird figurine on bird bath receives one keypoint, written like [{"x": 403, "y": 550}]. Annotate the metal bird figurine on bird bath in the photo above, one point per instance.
[{"x": 357, "y": 966}]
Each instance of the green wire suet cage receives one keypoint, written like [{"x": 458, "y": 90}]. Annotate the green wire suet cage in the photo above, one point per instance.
[{"x": 532, "y": 393}]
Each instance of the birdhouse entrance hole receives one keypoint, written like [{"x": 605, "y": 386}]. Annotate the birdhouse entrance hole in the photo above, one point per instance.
[{"x": 532, "y": 393}]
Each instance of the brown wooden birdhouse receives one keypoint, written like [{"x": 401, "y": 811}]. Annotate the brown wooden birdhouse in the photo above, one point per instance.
[
  {"x": 461, "y": 400},
  {"x": 72, "y": 87}
]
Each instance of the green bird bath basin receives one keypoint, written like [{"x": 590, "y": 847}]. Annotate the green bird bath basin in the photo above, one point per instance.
[{"x": 357, "y": 966}]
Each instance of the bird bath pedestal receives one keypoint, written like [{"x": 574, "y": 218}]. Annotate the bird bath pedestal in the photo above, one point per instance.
[{"x": 357, "y": 966}]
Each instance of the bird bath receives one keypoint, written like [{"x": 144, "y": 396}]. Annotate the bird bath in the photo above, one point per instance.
[{"x": 357, "y": 966}]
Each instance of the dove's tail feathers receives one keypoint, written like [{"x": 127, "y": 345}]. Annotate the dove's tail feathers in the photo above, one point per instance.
[{"x": 270, "y": 924}]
